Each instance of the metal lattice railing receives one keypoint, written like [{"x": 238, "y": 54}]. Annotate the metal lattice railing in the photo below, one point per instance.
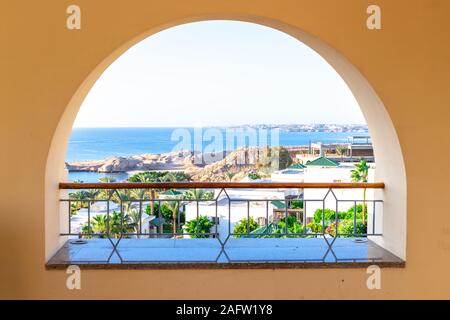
[{"x": 230, "y": 211}]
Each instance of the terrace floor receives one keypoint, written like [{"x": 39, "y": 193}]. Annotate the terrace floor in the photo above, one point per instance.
[{"x": 207, "y": 253}]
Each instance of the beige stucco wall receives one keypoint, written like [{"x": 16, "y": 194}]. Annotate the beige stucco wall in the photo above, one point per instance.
[{"x": 46, "y": 70}]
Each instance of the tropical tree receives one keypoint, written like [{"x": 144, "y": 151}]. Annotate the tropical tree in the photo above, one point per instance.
[
  {"x": 149, "y": 177},
  {"x": 274, "y": 158},
  {"x": 297, "y": 204},
  {"x": 157, "y": 176},
  {"x": 80, "y": 197},
  {"x": 105, "y": 193},
  {"x": 139, "y": 194},
  {"x": 198, "y": 194},
  {"x": 135, "y": 218},
  {"x": 174, "y": 207},
  {"x": 107, "y": 179},
  {"x": 361, "y": 174},
  {"x": 99, "y": 224},
  {"x": 164, "y": 210},
  {"x": 118, "y": 223},
  {"x": 125, "y": 197},
  {"x": 341, "y": 150},
  {"x": 284, "y": 158},
  {"x": 92, "y": 194},
  {"x": 229, "y": 175},
  {"x": 199, "y": 227},
  {"x": 245, "y": 226}
]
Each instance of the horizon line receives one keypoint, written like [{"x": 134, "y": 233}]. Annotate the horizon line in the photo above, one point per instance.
[{"x": 216, "y": 126}]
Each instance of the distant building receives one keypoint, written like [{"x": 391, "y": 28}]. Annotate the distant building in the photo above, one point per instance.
[
  {"x": 360, "y": 146},
  {"x": 355, "y": 148}
]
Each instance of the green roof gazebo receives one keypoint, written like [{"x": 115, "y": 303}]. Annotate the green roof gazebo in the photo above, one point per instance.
[{"x": 323, "y": 162}]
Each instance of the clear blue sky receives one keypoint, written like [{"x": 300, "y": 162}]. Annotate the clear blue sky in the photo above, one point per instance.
[{"x": 218, "y": 73}]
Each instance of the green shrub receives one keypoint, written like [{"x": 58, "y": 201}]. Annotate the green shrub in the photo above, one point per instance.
[
  {"x": 293, "y": 226},
  {"x": 297, "y": 204},
  {"x": 328, "y": 215},
  {"x": 253, "y": 176},
  {"x": 345, "y": 228},
  {"x": 168, "y": 228},
  {"x": 166, "y": 212},
  {"x": 315, "y": 227},
  {"x": 241, "y": 226},
  {"x": 359, "y": 209},
  {"x": 199, "y": 226}
]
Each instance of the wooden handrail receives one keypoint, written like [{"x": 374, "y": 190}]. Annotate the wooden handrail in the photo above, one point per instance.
[{"x": 219, "y": 185}]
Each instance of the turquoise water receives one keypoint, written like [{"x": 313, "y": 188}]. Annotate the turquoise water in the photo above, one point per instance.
[
  {"x": 100, "y": 143},
  {"x": 95, "y": 176}
]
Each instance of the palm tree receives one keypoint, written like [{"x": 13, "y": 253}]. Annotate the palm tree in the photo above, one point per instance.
[
  {"x": 168, "y": 177},
  {"x": 107, "y": 179},
  {"x": 99, "y": 223},
  {"x": 92, "y": 194},
  {"x": 174, "y": 207},
  {"x": 121, "y": 223},
  {"x": 229, "y": 175},
  {"x": 80, "y": 195},
  {"x": 117, "y": 224},
  {"x": 145, "y": 177},
  {"x": 361, "y": 174},
  {"x": 135, "y": 218},
  {"x": 341, "y": 150},
  {"x": 139, "y": 194},
  {"x": 198, "y": 194},
  {"x": 124, "y": 196}
]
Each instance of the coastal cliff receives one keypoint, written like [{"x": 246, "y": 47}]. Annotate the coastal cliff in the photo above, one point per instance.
[
  {"x": 200, "y": 166},
  {"x": 165, "y": 161}
]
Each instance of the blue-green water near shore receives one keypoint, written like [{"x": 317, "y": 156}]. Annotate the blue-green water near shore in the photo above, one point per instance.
[{"x": 100, "y": 143}]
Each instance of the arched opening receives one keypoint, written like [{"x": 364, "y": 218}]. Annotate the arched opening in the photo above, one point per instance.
[{"x": 386, "y": 147}]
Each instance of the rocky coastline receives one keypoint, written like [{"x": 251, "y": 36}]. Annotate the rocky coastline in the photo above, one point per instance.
[{"x": 200, "y": 166}]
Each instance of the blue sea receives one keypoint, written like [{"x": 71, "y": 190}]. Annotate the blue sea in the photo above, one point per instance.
[{"x": 100, "y": 143}]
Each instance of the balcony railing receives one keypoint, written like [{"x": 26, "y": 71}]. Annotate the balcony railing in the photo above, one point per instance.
[{"x": 230, "y": 222}]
